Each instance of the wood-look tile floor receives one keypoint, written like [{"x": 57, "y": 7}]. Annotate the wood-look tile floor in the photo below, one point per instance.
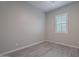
[{"x": 46, "y": 49}]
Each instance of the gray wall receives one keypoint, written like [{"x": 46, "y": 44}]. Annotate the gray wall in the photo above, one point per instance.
[
  {"x": 20, "y": 25},
  {"x": 72, "y": 37}
]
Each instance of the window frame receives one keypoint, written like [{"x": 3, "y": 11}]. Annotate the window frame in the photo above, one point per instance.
[{"x": 67, "y": 23}]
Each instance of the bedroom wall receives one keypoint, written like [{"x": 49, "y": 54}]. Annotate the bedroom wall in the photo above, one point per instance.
[
  {"x": 72, "y": 37},
  {"x": 21, "y": 25}
]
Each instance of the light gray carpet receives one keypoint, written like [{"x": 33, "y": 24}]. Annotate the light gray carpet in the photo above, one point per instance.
[{"x": 46, "y": 49}]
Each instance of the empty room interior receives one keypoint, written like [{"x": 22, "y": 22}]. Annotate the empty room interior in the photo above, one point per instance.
[{"x": 39, "y": 28}]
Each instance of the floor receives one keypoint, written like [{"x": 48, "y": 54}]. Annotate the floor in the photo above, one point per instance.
[{"x": 46, "y": 49}]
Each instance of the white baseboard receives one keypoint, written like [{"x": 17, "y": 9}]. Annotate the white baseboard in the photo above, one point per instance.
[
  {"x": 4, "y": 53},
  {"x": 63, "y": 44}
]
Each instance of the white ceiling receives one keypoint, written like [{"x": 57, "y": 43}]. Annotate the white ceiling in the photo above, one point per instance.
[{"x": 46, "y": 6}]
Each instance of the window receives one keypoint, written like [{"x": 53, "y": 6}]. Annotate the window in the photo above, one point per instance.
[{"x": 61, "y": 23}]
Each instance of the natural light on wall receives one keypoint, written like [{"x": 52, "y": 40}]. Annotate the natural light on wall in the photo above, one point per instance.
[{"x": 61, "y": 23}]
